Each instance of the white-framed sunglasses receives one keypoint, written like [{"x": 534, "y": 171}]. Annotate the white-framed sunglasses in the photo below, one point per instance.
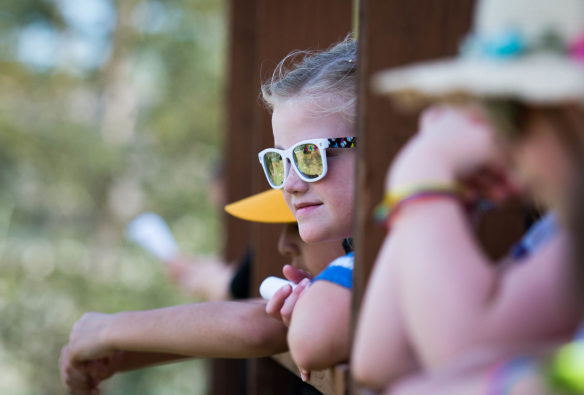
[{"x": 308, "y": 158}]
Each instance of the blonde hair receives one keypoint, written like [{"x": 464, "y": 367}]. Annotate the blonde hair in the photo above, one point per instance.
[{"x": 326, "y": 78}]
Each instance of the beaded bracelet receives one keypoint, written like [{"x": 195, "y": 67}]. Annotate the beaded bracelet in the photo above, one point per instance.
[{"x": 394, "y": 201}]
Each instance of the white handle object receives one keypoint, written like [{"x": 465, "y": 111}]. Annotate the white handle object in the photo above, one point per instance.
[
  {"x": 151, "y": 232},
  {"x": 271, "y": 284}
]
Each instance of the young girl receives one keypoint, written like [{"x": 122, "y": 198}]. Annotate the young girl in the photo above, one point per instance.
[
  {"x": 451, "y": 298},
  {"x": 316, "y": 121},
  {"x": 313, "y": 120}
]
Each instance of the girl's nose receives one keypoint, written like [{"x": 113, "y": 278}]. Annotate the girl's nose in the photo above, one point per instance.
[{"x": 293, "y": 183}]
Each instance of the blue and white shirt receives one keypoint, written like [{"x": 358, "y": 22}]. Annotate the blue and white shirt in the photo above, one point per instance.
[
  {"x": 339, "y": 271},
  {"x": 541, "y": 232}
]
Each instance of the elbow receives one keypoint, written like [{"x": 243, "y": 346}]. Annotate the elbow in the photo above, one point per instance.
[
  {"x": 304, "y": 353},
  {"x": 312, "y": 352}
]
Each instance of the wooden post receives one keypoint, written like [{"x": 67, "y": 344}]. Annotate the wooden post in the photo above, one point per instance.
[
  {"x": 262, "y": 32},
  {"x": 392, "y": 33}
]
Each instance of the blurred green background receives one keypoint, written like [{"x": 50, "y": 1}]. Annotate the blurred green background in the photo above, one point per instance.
[{"x": 107, "y": 109}]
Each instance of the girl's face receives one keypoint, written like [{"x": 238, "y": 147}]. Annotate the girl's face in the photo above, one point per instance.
[
  {"x": 312, "y": 258},
  {"x": 544, "y": 164},
  {"x": 323, "y": 209}
]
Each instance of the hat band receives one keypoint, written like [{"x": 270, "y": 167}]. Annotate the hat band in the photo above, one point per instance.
[{"x": 510, "y": 44}]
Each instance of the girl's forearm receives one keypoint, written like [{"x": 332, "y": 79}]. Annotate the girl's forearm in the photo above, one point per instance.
[
  {"x": 446, "y": 282},
  {"x": 214, "y": 329},
  {"x": 131, "y": 360},
  {"x": 381, "y": 349}
]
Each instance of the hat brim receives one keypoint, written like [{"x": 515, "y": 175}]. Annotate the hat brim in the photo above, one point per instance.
[
  {"x": 536, "y": 79},
  {"x": 268, "y": 207}
]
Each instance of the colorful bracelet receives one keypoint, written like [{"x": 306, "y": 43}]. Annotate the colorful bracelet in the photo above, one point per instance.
[
  {"x": 394, "y": 201},
  {"x": 505, "y": 374}
]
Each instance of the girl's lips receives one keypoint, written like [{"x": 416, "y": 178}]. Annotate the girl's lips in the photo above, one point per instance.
[{"x": 304, "y": 209}]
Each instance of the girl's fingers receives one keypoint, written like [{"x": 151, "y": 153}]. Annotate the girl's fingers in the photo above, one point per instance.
[
  {"x": 490, "y": 183},
  {"x": 290, "y": 302},
  {"x": 277, "y": 301},
  {"x": 77, "y": 380},
  {"x": 72, "y": 376}
]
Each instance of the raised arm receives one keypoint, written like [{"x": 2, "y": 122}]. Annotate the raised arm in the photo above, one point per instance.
[{"x": 453, "y": 296}]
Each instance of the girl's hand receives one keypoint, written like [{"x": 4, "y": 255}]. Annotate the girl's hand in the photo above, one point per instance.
[
  {"x": 83, "y": 378},
  {"x": 88, "y": 338},
  {"x": 281, "y": 305},
  {"x": 455, "y": 144},
  {"x": 88, "y": 358}
]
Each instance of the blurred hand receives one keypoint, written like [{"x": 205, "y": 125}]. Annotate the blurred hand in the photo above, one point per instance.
[
  {"x": 87, "y": 358},
  {"x": 87, "y": 340},
  {"x": 455, "y": 144},
  {"x": 281, "y": 305},
  {"x": 204, "y": 278},
  {"x": 83, "y": 378}
]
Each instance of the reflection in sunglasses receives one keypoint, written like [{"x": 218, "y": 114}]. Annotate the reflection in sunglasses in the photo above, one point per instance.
[{"x": 308, "y": 158}]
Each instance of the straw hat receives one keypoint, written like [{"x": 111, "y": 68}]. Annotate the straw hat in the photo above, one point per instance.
[
  {"x": 268, "y": 206},
  {"x": 530, "y": 50}
]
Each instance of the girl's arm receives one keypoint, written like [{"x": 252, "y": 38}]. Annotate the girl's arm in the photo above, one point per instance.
[
  {"x": 318, "y": 336},
  {"x": 381, "y": 349},
  {"x": 214, "y": 330},
  {"x": 453, "y": 296}
]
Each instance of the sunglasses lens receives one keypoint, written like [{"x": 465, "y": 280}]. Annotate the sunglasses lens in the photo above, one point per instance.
[
  {"x": 275, "y": 168},
  {"x": 308, "y": 160}
]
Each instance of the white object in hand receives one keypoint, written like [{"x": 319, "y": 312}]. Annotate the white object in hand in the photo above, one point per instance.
[
  {"x": 271, "y": 284},
  {"x": 151, "y": 232}
]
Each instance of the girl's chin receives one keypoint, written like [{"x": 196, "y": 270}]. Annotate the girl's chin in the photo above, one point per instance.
[{"x": 309, "y": 234}]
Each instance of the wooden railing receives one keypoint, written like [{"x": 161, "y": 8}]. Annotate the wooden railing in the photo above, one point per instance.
[{"x": 331, "y": 381}]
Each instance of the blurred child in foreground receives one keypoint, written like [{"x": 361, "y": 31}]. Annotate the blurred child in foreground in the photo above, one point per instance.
[{"x": 513, "y": 119}]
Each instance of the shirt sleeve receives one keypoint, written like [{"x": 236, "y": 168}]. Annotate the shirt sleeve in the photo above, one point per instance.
[
  {"x": 339, "y": 271},
  {"x": 541, "y": 232}
]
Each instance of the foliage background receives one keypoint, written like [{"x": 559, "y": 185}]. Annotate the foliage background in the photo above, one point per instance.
[{"x": 107, "y": 109}]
